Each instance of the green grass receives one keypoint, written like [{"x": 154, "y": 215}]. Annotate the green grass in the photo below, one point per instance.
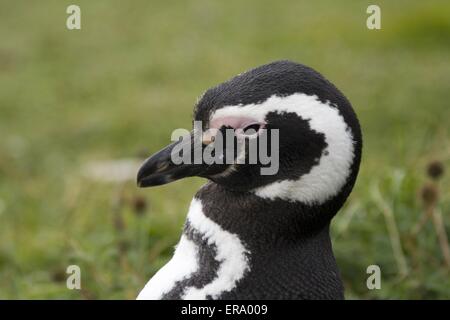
[{"x": 118, "y": 87}]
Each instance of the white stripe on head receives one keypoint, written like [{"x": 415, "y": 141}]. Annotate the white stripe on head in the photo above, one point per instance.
[
  {"x": 183, "y": 263},
  {"x": 231, "y": 254},
  {"x": 325, "y": 179}
]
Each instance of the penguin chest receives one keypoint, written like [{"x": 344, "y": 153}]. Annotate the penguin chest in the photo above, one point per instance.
[{"x": 208, "y": 261}]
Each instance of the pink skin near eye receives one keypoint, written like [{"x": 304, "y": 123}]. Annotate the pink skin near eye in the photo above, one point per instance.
[{"x": 237, "y": 123}]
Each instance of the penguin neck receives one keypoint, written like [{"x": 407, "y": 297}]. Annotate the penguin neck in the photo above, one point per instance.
[
  {"x": 274, "y": 245},
  {"x": 269, "y": 223}
]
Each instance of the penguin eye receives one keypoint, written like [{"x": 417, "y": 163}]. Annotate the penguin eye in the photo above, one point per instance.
[{"x": 251, "y": 129}]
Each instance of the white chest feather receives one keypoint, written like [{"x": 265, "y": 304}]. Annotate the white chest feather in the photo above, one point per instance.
[{"x": 230, "y": 253}]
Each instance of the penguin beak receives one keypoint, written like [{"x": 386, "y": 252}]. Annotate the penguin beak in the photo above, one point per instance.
[{"x": 159, "y": 169}]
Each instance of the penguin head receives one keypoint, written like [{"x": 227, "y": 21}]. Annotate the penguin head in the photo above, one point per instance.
[{"x": 284, "y": 112}]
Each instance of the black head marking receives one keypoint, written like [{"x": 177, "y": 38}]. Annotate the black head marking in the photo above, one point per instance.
[{"x": 300, "y": 147}]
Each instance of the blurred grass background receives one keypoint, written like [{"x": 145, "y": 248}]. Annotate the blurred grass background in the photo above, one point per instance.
[{"x": 118, "y": 87}]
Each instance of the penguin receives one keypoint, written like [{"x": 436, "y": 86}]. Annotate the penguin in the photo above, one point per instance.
[{"x": 254, "y": 236}]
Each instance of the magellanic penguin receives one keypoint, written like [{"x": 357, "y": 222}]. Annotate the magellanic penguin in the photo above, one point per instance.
[{"x": 253, "y": 236}]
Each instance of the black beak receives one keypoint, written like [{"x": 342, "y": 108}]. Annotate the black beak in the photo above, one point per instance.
[{"x": 159, "y": 169}]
